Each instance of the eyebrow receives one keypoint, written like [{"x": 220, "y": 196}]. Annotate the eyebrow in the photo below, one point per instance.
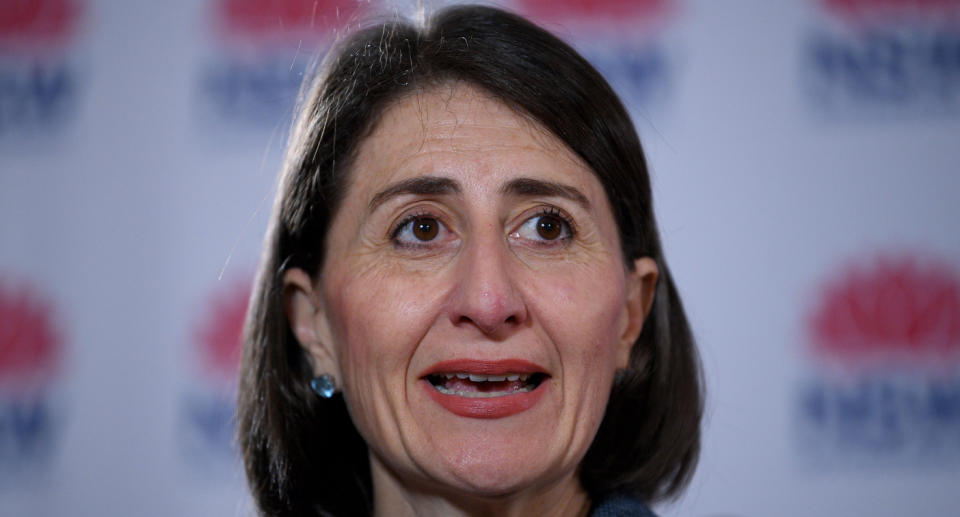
[
  {"x": 435, "y": 185},
  {"x": 422, "y": 185},
  {"x": 529, "y": 187}
]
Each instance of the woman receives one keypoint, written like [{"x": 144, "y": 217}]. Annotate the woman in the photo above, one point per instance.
[{"x": 463, "y": 307}]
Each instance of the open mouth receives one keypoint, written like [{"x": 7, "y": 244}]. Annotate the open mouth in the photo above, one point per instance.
[
  {"x": 472, "y": 385},
  {"x": 486, "y": 389}
]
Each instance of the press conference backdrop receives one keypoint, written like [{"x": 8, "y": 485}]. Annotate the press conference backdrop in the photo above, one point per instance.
[{"x": 804, "y": 156}]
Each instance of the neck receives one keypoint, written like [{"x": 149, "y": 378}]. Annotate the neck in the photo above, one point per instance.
[{"x": 564, "y": 498}]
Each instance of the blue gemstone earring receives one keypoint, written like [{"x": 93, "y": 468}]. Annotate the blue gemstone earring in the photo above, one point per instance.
[{"x": 323, "y": 386}]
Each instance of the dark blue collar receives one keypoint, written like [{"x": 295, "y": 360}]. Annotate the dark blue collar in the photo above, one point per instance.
[{"x": 620, "y": 506}]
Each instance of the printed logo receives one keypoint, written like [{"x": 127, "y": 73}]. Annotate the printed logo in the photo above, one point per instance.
[
  {"x": 883, "y": 385},
  {"x": 208, "y": 405},
  {"x": 622, "y": 38},
  {"x": 30, "y": 354},
  {"x": 885, "y": 57},
  {"x": 605, "y": 11},
  {"x": 38, "y": 80},
  {"x": 281, "y": 22},
  {"x": 261, "y": 52}
]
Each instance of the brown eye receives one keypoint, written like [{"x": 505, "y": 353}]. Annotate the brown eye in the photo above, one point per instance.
[
  {"x": 425, "y": 228},
  {"x": 545, "y": 229},
  {"x": 422, "y": 232},
  {"x": 549, "y": 227}
]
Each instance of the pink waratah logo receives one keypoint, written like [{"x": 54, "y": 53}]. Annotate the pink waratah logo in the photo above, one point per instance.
[
  {"x": 283, "y": 20},
  {"x": 30, "y": 345},
  {"x": 898, "y": 10},
  {"x": 893, "y": 308},
  {"x": 220, "y": 336},
  {"x": 609, "y": 10},
  {"x": 38, "y": 22}
]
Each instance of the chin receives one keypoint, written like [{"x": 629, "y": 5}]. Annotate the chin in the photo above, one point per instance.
[{"x": 498, "y": 472}]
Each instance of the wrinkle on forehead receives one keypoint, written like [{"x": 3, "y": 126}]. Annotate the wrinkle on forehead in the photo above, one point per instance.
[{"x": 442, "y": 124}]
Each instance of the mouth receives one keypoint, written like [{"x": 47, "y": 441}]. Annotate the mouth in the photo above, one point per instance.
[
  {"x": 485, "y": 389},
  {"x": 470, "y": 385}
]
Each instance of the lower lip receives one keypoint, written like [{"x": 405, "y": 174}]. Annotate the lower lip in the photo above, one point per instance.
[{"x": 493, "y": 407}]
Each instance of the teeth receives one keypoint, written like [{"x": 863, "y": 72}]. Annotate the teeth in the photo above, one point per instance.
[
  {"x": 480, "y": 394},
  {"x": 486, "y": 378}
]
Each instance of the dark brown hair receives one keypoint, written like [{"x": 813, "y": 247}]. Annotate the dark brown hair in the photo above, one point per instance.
[{"x": 303, "y": 456}]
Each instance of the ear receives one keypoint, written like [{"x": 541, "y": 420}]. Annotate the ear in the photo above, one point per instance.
[
  {"x": 307, "y": 319},
  {"x": 641, "y": 284}
]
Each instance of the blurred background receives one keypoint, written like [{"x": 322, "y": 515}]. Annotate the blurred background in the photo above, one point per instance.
[{"x": 804, "y": 156}]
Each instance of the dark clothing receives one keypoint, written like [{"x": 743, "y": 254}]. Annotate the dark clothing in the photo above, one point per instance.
[{"x": 620, "y": 506}]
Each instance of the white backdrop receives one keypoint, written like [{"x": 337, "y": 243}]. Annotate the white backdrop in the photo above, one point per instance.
[{"x": 805, "y": 164}]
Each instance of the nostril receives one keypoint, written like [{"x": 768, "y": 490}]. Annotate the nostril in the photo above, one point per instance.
[
  {"x": 486, "y": 298},
  {"x": 489, "y": 326}
]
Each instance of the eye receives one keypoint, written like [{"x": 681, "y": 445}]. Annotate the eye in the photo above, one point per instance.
[
  {"x": 546, "y": 227},
  {"x": 417, "y": 230},
  {"x": 424, "y": 228}
]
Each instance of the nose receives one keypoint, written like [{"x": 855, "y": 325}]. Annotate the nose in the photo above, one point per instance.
[{"x": 486, "y": 295}]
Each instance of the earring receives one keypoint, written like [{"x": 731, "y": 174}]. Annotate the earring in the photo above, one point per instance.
[
  {"x": 619, "y": 376},
  {"x": 323, "y": 386}
]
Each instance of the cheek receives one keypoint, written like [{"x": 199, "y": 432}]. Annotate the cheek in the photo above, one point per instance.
[
  {"x": 580, "y": 311},
  {"x": 582, "y": 320},
  {"x": 378, "y": 320},
  {"x": 367, "y": 322},
  {"x": 581, "y": 308}
]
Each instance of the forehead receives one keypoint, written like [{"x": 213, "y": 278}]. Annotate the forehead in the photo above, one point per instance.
[{"x": 458, "y": 130}]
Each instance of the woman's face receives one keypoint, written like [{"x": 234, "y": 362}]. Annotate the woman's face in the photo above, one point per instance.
[{"x": 474, "y": 305}]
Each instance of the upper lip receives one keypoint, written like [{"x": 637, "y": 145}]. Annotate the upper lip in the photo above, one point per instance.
[{"x": 484, "y": 367}]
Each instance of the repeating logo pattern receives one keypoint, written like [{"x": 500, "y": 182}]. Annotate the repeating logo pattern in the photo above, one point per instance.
[
  {"x": 885, "y": 57},
  {"x": 208, "y": 405},
  {"x": 262, "y": 51},
  {"x": 31, "y": 350},
  {"x": 884, "y": 386},
  {"x": 38, "y": 79}
]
